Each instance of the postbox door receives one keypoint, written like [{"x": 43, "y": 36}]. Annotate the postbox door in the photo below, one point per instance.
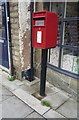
[{"x": 39, "y": 33}]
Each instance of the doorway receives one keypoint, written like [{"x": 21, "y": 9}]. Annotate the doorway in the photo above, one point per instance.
[{"x": 4, "y": 52}]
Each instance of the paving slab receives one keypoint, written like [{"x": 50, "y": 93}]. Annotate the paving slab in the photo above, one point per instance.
[
  {"x": 0, "y": 72},
  {"x": 17, "y": 82},
  {"x": 34, "y": 115},
  {"x": 6, "y": 91},
  {"x": 28, "y": 89},
  {"x": 0, "y": 111},
  {"x": 53, "y": 114},
  {"x": 36, "y": 86},
  {"x": 0, "y": 92},
  {"x": 50, "y": 91},
  {"x": 15, "y": 108},
  {"x": 0, "y": 77},
  {"x": 31, "y": 101},
  {"x": 56, "y": 99},
  {"x": 4, "y": 75},
  {"x": 6, "y": 94},
  {"x": 69, "y": 109},
  {"x": 52, "y": 88}
]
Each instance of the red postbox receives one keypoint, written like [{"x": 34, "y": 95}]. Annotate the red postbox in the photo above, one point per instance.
[{"x": 44, "y": 29}]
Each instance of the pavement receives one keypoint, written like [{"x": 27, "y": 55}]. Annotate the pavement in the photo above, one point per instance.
[{"x": 21, "y": 99}]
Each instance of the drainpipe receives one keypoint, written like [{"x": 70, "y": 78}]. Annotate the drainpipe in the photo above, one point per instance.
[
  {"x": 10, "y": 43},
  {"x": 31, "y": 60}
]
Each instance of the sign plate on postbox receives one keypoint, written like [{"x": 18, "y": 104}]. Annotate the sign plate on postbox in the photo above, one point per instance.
[{"x": 44, "y": 29}]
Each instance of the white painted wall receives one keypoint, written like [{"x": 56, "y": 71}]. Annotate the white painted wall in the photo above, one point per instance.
[{"x": 24, "y": 24}]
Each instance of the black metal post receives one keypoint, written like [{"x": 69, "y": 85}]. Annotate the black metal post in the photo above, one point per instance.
[
  {"x": 43, "y": 71},
  {"x": 44, "y": 66}
]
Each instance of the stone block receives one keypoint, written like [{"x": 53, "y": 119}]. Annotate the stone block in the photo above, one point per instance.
[
  {"x": 14, "y": 14},
  {"x": 14, "y": 21},
  {"x": 14, "y": 48},
  {"x": 12, "y": 4},
  {"x": 16, "y": 58},
  {"x": 15, "y": 45},
  {"x": 73, "y": 84},
  {"x": 15, "y": 31},
  {"x": 14, "y": 8},
  {"x": 62, "y": 81},
  {"x": 14, "y": 26}
]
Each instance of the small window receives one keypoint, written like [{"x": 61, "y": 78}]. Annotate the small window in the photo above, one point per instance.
[
  {"x": 57, "y": 7},
  {"x": 71, "y": 35},
  {"x": 72, "y": 9},
  {"x": 54, "y": 56},
  {"x": 2, "y": 22},
  {"x": 70, "y": 60}
]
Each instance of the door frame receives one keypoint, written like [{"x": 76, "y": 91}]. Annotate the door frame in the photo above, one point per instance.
[{"x": 7, "y": 36}]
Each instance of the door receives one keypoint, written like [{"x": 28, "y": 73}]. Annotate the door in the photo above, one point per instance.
[{"x": 4, "y": 58}]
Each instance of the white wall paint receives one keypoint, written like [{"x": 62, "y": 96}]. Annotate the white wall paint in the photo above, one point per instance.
[{"x": 24, "y": 15}]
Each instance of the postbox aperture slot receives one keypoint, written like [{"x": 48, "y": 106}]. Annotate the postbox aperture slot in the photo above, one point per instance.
[{"x": 39, "y": 17}]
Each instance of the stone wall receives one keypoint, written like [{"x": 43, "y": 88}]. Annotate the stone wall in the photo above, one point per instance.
[
  {"x": 20, "y": 35},
  {"x": 14, "y": 20},
  {"x": 62, "y": 81}
]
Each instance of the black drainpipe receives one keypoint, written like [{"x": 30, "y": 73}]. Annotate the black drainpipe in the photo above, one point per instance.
[
  {"x": 31, "y": 60},
  {"x": 10, "y": 43},
  {"x": 29, "y": 74}
]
